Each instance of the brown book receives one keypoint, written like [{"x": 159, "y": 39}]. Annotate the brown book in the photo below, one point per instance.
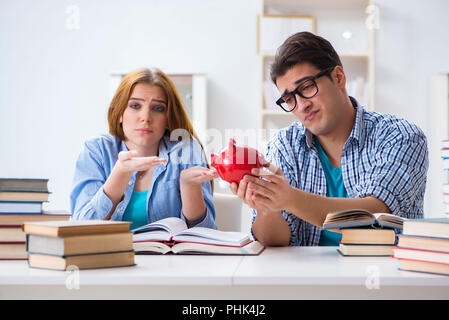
[
  {"x": 430, "y": 227},
  {"x": 368, "y": 236},
  {"x": 11, "y": 233},
  {"x": 23, "y": 184},
  {"x": 75, "y": 227},
  {"x": 421, "y": 255},
  {"x": 366, "y": 250},
  {"x": 87, "y": 261},
  {"x": 24, "y": 196},
  {"x": 423, "y": 243},
  {"x": 93, "y": 243},
  {"x": 424, "y": 266},
  {"x": 20, "y": 218},
  {"x": 12, "y": 251}
]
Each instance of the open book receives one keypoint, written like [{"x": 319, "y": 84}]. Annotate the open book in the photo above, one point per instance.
[
  {"x": 171, "y": 235},
  {"x": 361, "y": 218}
]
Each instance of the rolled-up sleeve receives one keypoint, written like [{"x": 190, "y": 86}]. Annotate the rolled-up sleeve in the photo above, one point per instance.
[{"x": 87, "y": 198}]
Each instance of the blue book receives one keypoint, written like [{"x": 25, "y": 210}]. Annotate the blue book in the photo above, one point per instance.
[{"x": 20, "y": 207}]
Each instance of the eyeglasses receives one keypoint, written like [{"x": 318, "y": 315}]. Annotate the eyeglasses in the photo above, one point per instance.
[{"x": 306, "y": 89}]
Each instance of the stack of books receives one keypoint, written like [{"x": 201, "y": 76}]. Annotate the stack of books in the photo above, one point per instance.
[
  {"x": 82, "y": 244},
  {"x": 21, "y": 200},
  {"x": 364, "y": 233},
  {"x": 424, "y": 246}
]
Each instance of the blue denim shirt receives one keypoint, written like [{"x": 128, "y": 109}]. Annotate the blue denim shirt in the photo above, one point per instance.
[{"x": 96, "y": 161}]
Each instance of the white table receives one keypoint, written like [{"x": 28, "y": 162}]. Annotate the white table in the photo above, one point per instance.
[{"x": 278, "y": 273}]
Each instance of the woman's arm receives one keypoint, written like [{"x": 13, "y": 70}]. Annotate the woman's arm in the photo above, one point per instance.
[
  {"x": 95, "y": 195},
  {"x": 191, "y": 179}
]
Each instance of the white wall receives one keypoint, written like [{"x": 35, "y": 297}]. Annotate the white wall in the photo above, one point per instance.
[
  {"x": 412, "y": 47},
  {"x": 54, "y": 81}
]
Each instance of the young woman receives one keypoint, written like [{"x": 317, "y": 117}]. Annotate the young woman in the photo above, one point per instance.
[{"x": 151, "y": 166}]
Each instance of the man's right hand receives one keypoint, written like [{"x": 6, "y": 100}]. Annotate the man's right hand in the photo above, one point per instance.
[{"x": 269, "y": 227}]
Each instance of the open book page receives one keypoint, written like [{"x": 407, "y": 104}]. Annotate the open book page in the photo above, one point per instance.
[
  {"x": 348, "y": 218},
  {"x": 160, "y": 230},
  {"x": 212, "y": 236},
  {"x": 151, "y": 247},
  {"x": 390, "y": 220},
  {"x": 253, "y": 248},
  {"x": 155, "y": 235},
  {"x": 175, "y": 229},
  {"x": 352, "y": 214}
]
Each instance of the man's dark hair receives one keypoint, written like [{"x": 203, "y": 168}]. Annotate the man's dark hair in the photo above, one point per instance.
[{"x": 303, "y": 47}]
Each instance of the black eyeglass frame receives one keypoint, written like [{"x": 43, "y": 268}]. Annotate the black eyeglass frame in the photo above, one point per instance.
[{"x": 297, "y": 92}]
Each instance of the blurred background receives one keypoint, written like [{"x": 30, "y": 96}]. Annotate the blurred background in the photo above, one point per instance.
[{"x": 61, "y": 60}]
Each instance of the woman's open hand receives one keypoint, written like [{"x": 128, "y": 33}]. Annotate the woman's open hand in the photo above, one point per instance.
[
  {"x": 129, "y": 161},
  {"x": 197, "y": 175}
]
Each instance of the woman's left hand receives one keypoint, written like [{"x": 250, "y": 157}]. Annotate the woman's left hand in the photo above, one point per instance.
[{"x": 197, "y": 175}]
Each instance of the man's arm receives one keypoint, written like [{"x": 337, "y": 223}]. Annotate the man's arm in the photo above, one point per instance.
[
  {"x": 271, "y": 229},
  {"x": 270, "y": 197},
  {"x": 277, "y": 194},
  {"x": 313, "y": 208}
]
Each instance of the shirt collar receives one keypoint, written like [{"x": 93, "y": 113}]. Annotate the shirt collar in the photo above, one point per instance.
[
  {"x": 357, "y": 132},
  {"x": 165, "y": 146}
]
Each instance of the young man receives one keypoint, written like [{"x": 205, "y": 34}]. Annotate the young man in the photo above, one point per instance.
[{"x": 338, "y": 156}]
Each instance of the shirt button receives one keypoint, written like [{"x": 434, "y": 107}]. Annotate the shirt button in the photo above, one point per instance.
[{"x": 130, "y": 183}]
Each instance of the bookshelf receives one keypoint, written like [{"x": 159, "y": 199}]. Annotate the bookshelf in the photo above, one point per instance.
[{"x": 348, "y": 24}]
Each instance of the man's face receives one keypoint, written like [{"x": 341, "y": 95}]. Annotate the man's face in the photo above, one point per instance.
[{"x": 320, "y": 114}]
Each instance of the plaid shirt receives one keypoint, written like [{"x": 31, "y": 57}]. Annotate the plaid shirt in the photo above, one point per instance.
[{"x": 384, "y": 157}]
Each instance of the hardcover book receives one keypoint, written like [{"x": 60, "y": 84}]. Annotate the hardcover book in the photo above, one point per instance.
[
  {"x": 172, "y": 235},
  {"x": 365, "y": 250},
  {"x": 86, "y": 261},
  {"x": 75, "y": 227},
  {"x": 431, "y": 227},
  {"x": 362, "y": 218},
  {"x": 368, "y": 236},
  {"x": 75, "y": 245},
  {"x": 24, "y": 196},
  {"x": 18, "y": 184}
]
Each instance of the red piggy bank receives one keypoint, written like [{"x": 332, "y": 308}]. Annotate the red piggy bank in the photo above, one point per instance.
[{"x": 234, "y": 162}]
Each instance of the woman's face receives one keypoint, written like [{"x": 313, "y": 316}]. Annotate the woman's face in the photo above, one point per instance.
[{"x": 145, "y": 118}]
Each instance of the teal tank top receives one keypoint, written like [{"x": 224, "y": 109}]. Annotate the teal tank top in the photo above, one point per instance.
[
  {"x": 136, "y": 211},
  {"x": 335, "y": 189}
]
